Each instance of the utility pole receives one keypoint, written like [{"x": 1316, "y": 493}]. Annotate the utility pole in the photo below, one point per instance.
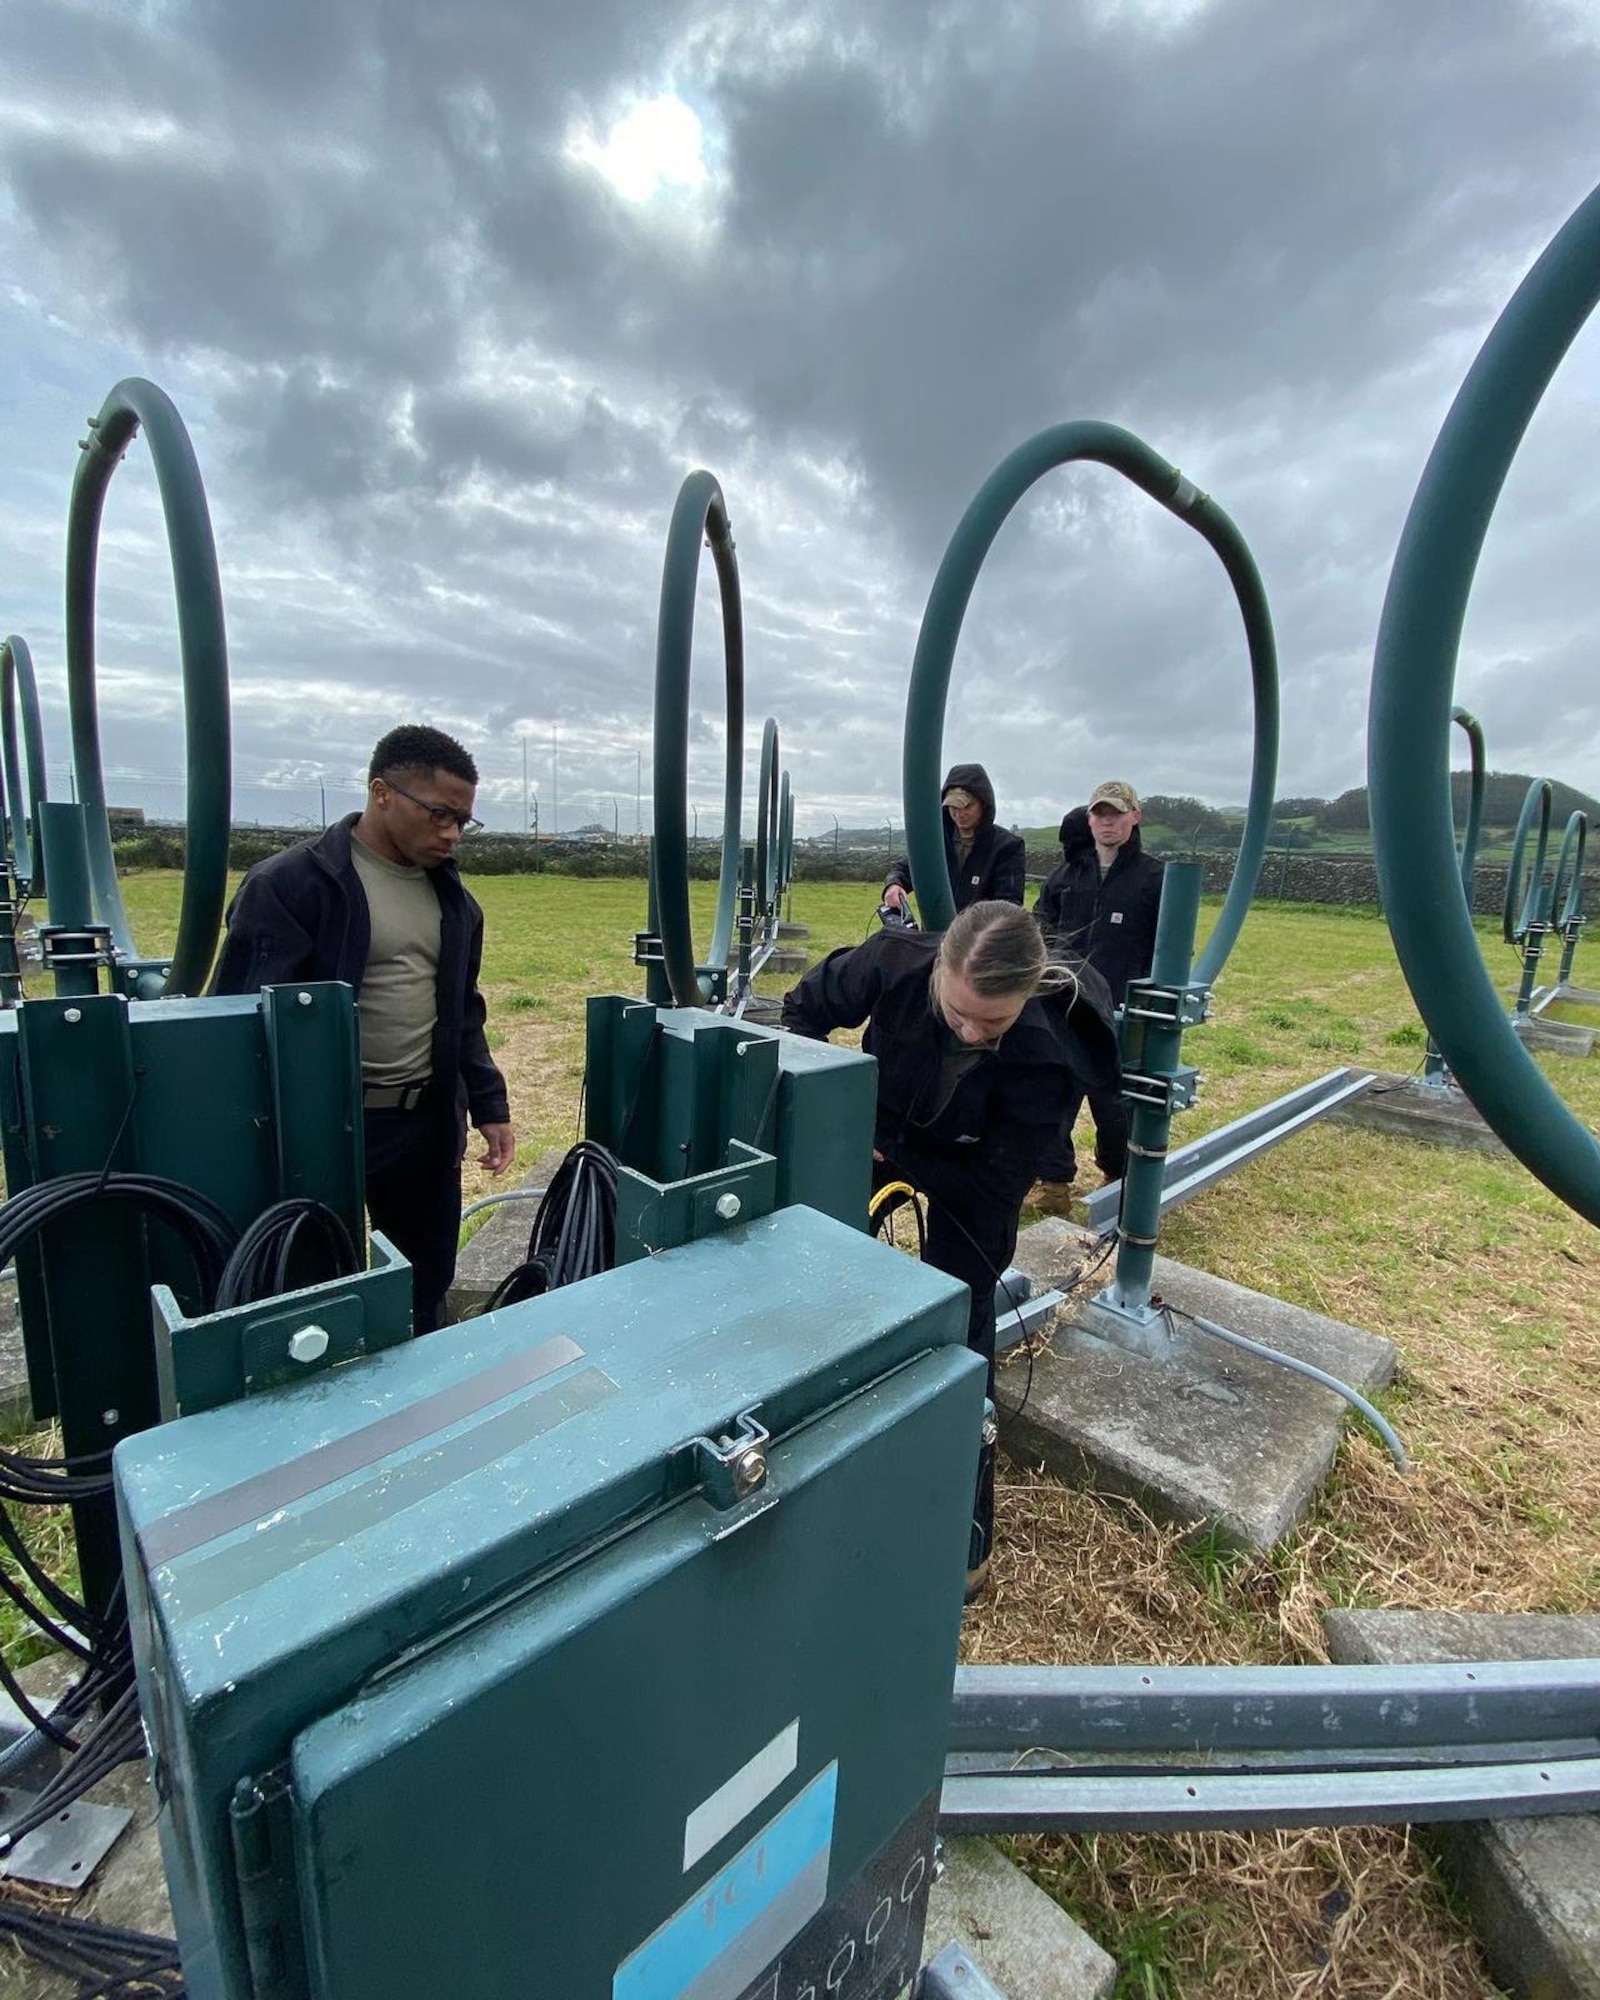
[
  {"x": 525, "y": 819},
  {"x": 322, "y": 792},
  {"x": 638, "y": 792},
  {"x": 555, "y": 784}
]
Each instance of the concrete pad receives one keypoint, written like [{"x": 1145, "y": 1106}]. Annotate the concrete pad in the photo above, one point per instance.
[
  {"x": 15, "y": 1406},
  {"x": 1407, "y": 1108},
  {"x": 786, "y": 962},
  {"x": 128, "y": 1889},
  {"x": 1560, "y": 1038},
  {"x": 1201, "y": 1433},
  {"x": 1008, "y": 1926},
  {"x": 1532, "y": 1885},
  {"x": 794, "y": 930},
  {"x": 501, "y": 1243}
]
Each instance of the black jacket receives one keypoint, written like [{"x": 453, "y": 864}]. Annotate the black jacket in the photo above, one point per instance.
[
  {"x": 980, "y": 1149},
  {"x": 996, "y": 869},
  {"x": 1111, "y": 924},
  {"x": 302, "y": 914}
]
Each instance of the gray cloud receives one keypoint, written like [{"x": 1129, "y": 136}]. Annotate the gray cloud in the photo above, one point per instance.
[{"x": 445, "y": 382}]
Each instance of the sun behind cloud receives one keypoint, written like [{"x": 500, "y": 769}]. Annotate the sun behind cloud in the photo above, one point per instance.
[{"x": 657, "y": 144}]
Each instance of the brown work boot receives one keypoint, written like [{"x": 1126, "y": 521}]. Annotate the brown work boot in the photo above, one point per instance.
[{"x": 1051, "y": 1197}]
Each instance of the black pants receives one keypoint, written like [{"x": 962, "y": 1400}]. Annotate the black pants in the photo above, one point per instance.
[
  {"x": 1109, "y": 1109},
  {"x": 974, "y": 1243},
  {"x": 414, "y": 1197}
]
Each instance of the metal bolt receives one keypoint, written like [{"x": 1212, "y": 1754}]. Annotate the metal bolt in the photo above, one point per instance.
[
  {"x": 304, "y": 999},
  {"x": 110, "y": 1418},
  {"x": 991, "y": 1431},
  {"x": 749, "y": 1470},
  {"x": 73, "y": 1016},
  {"x": 308, "y": 1343},
  {"x": 728, "y": 1206}
]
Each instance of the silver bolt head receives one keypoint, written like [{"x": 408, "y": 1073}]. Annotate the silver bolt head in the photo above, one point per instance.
[
  {"x": 308, "y": 1343},
  {"x": 304, "y": 999},
  {"x": 73, "y": 1016},
  {"x": 749, "y": 1470},
  {"x": 728, "y": 1206}
]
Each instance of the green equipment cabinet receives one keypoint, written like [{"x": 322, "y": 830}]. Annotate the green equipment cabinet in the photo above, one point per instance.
[{"x": 602, "y": 1646}]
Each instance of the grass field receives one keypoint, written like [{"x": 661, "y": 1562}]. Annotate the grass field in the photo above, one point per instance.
[{"x": 1485, "y": 1281}]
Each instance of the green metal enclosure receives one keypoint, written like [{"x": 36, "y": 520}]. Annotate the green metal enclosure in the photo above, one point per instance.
[{"x": 602, "y": 1646}]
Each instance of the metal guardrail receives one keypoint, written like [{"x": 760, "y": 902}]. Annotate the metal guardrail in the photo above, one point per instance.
[
  {"x": 1070, "y": 1749},
  {"x": 1191, "y": 1169}
]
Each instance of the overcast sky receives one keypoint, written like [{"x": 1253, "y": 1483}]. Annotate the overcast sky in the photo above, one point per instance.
[{"x": 453, "y": 298}]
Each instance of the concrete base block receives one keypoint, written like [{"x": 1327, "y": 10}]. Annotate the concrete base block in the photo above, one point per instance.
[
  {"x": 763, "y": 1010},
  {"x": 1009, "y": 1927},
  {"x": 1200, "y": 1433},
  {"x": 500, "y": 1245},
  {"x": 1532, "y": 1885},
  {"x": 15, "y": 1405},
  {"x": 1561, "y": 1038},
  {"x": 794, "y": 930},
  {"x": 1408, "y": 1109},
  {"x": 788, "y": 963}
]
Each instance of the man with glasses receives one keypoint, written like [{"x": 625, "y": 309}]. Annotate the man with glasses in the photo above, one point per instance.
[{"x": 377, "y": 902}]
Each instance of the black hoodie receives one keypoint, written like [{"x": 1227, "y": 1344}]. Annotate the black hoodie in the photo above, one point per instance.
[
  {"x": 1109, "y": 921},
  {"x": 996, "y": 868}
]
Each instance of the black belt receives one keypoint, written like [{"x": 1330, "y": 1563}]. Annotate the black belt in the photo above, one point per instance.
[{"x": 396, "y": 1096}]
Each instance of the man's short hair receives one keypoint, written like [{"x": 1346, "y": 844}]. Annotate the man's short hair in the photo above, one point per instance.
[{"x": 415, "y": 746}]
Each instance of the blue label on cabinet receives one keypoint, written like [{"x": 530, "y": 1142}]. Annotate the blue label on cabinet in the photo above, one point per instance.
[{"x": 743, "y": 1917}]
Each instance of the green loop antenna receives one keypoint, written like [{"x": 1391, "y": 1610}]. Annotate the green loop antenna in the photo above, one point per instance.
[
  {"x": 767, "y": 857},
  {"x": 19, "y": 690},
  {"x": 131, "y": 406},
  {"x": 1525, "y": 883},
  {"x": 700, "y": 511},
  {"x": 1104, "y": 444},
  {"x": 1419, "y": 639}
]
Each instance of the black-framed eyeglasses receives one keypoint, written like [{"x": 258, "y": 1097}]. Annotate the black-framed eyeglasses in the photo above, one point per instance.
[{"x": 440, "y": 815}]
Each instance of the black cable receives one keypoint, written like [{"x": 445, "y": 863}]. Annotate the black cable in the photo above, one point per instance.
[
  {"x": 574, "y": 1230},
  {"x": 261, "y": 1262}
]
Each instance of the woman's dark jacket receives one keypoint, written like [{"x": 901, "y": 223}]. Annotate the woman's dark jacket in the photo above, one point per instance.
[
  {"x": 302, "y": 914},
  {"x": 1111, "y": 923},
  {"x": 978, "y": 1151},
  {"x": 996, "y": 868}
]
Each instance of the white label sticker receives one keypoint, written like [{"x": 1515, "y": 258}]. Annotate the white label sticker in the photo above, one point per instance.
[{"x": 739, "y": 1795}]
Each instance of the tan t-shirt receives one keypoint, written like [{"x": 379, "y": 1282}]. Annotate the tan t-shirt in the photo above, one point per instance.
[{"x": 399, "y": 992}]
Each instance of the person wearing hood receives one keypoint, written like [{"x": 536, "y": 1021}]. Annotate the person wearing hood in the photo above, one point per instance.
[
  {"x": 1100, "y": 907},
  {"x": 985, "y": 863}
]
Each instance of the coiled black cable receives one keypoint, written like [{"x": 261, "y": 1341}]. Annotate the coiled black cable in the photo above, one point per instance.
[
  {"x": 262, "y": 1264},
  {"x": 574, "y": 1232},
  {"x": 205, "y": 1231}
]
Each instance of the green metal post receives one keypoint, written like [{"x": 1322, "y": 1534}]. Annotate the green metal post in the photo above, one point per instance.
[
  {"x": 1155, "y": 1044},
  {"x": 700, "y": 511},
  {"x": 1413, "y": 671},
  {"x": 132, "y": 405},
  {"x": 1108, "y": 445},
  {"x": 63, "y": 836}
]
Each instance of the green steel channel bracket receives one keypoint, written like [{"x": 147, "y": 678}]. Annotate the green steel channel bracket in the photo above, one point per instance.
[
  {"x": 19, "y": 689},
  {"x": 225, "y": 1356},
  {"x": 700, "y": 510},
  {"x": 1105, "y": 444},
  {"x": 314, "y": 1064},
  {"x": 134, "y": 404},
  {"x": 1419, "y": 638}
]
